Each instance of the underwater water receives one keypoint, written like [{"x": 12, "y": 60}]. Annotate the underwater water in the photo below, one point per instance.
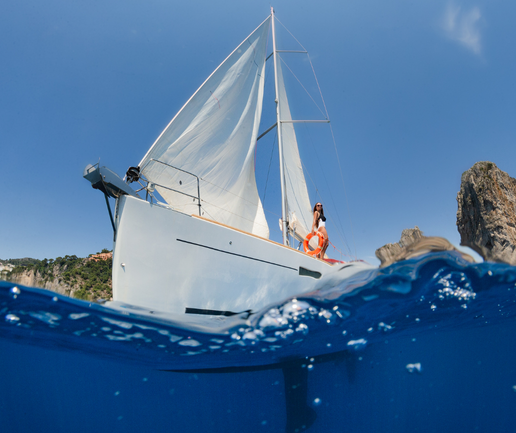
[{"x": 425, "y": 345}]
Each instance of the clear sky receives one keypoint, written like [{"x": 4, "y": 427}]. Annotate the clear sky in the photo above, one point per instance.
[{"x": 417, "y": 91}]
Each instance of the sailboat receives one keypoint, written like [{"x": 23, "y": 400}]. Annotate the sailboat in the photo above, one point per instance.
[{"x": 204, "y": 248}]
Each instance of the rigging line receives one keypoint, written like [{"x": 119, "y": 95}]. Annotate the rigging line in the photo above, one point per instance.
[
  {"x": 277, "y": 19},
  {"x": 313, "y": 71},
  {"x": 230, "y": 192},
  {"x": 233, "y": 213},
  {"x": 344, "y": 188},
  {"x": 339, "y": 232},
  {"x": 304, "y": 88},
  {"x": 318, "y": 86},
  {"x": 329, "y": 189},
  {"x": 311, "y": 65},
  {"x": 272, "y": 213},
  {"x": 340, "y": 252},
  {"x": 340, "y": 229}
]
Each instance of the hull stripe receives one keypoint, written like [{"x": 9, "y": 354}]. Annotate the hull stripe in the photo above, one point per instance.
[{"x": 235, "y": 254}]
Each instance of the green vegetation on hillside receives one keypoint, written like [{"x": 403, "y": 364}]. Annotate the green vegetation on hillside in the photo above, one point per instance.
[
  {"x": 20, "y": 262},
  {"x": 91, "y": 279}
]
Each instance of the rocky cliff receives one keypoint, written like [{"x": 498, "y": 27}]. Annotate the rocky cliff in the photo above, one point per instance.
[
  {"x": 413, "y": 244},
  {"x": 83, "y": 278},
  {"x": 34, "y": 278},
  {"x": 388, "y": 253},
  {"x": 486, "y": 216}
]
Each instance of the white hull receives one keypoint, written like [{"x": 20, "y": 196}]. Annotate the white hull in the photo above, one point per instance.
[{"x": 168, "y": 261}]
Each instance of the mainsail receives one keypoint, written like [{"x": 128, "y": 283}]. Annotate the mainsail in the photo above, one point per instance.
[
  {"x": 299, "y": 213},
  {"x": 214, "y": 137}
]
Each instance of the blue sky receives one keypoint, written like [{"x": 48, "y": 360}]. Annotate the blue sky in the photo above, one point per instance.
[{"x": 417, "y": 91}]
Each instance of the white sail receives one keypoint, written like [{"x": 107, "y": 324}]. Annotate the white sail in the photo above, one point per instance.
[
  {"x": 214, "y": 137},
  {"x": 299, "y": 211}
]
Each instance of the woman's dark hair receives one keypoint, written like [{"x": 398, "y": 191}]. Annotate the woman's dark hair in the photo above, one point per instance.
[{"x": 321, "y": 212}]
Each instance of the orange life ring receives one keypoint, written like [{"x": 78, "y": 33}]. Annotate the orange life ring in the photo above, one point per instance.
[{"x": 307, "y": 241}]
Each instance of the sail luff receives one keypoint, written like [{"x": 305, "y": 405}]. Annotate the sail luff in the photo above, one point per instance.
[{"x": 284, "y": 226}]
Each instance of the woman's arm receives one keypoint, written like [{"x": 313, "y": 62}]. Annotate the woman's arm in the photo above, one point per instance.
[{"x": 314, "y": 223}]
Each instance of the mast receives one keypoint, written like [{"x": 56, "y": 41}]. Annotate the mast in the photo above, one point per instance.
[{"x": 280, "y": 141}]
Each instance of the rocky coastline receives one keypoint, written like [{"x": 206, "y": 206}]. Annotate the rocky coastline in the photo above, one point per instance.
[
  {"x": 82, "y": 278},
  {"x": 486, "y": 220}
]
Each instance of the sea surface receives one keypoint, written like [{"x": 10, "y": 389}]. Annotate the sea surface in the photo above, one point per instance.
[{"x": 424, "y": 345}]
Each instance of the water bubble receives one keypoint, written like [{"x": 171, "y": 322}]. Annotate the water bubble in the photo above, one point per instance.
[
  {"x": 302, "y": 328},
  {"x": 384, "y": 327},
  {"x": 417, "y": 319},
  {"x": 11, "y": 318},
  {"x": 189, "y": 343},
  {"x": 344, "y": 332},
  {"x": 273, "y": 319},
  {"x": 433, "y": 307},
  {"x": 264, "y": 422},
  {"x": 55, "y": 299},
  {"x": 317, "y": 401},
  {"x": 283, "y": 334},
  {"x": 414, "y": 368},
  {"x": 251, "y": 335},
  {"x": 514, "y": 388},
  {"x": 326, "y": 315},
  {"x": 75, "y": 316},
  {"x": 15, "y": 291},
  {"x": 359, "y": 344},
  {"x": 295, "y": 309},
  {"x": 117, "y": 392},
  {"x": 310, "y": 367}
]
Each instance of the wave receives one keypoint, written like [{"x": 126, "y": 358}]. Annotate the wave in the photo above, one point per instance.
[{"x": 437, "y": 291}]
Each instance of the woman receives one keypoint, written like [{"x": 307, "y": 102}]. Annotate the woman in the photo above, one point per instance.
[{"x": 319, "y": 224}]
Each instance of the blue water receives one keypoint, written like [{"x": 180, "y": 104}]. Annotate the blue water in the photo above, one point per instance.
[{"x": 426, "y": 345}]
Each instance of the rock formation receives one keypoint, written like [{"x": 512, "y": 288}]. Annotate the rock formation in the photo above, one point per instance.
[
  {"x": 486, "y": 216},
  {"x": 35, "y": 279},
  {"x": 83, "y": 278},
  {"x": 413, "y": 244},
  {"x": 388, "y": 253}
]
